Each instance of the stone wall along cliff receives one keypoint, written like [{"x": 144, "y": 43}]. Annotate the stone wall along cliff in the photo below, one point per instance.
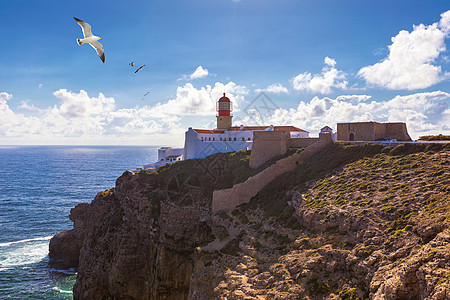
[
  {"x": 297, "y": 143},
  {"x": 242, "y": 193}
]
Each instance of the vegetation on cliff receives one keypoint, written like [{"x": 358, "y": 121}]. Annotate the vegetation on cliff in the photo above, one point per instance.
[
  {"x": 354, "y": 222},
  {"x": 439, "y": 137},
  {"x": 217, "y": 171}
]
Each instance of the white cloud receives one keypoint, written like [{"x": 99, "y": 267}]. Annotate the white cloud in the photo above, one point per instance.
[
  {"x": 353, "y": 98},
  {"x": 330, "y": 61},
  {"x": 321, "y": 83},
  {"x": 409, "y": 64},
  {"x": 81, "y": 119},
  {"x": 275, "y": 88},
  {"x": 25, "y": 105},
  {"x": 444, "y": 23},
  {"x": 9, "y": 120},
  {"x": 423, "y": 113},
  {"x": 198, "y": 74},
  {"x": 4, "y": 97},
  {"x": 192, "y": 101},
  {"x": 419, "y": 101},
  {"x": 80, "y": 105}
]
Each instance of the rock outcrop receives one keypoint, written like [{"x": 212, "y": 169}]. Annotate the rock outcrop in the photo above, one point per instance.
[{"x": 354, "y": 222}]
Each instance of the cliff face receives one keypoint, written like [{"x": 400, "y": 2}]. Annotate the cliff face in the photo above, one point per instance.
[
  {"x": 354, "y": 222},
  {"x": 138, "y": 244}
]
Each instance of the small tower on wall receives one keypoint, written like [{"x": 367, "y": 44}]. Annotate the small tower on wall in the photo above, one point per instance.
[{"x": 224, "y": 108}]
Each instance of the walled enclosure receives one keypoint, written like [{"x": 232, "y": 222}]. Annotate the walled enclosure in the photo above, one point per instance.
[
  {"x": 372, "y": 131},
  {"x": 269, "y": 144},
  {"x": 242, "y": 192}
]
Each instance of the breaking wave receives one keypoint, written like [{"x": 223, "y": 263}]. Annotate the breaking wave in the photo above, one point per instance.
[{"x": 23, "y": 252}]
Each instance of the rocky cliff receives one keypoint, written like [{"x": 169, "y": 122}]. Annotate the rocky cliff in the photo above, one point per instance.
[{"x": 354, "y": 222}]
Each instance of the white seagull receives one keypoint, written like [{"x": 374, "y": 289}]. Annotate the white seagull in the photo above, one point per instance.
[{"x": 90, "y": 39}]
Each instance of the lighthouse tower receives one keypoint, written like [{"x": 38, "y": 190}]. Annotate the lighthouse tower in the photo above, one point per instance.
[{"x": 224, "y": 108}]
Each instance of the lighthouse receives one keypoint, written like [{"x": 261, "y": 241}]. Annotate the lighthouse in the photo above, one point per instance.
[{"x": 224, "y": 108}]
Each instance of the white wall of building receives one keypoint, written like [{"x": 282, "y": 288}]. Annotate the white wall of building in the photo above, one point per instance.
[
  {"x": 170, "y": 154},
  {"x": 299, "y": 134}
]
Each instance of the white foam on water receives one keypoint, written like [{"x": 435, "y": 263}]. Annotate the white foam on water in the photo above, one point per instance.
[
  {"x": 22, "y": 253},
  {"x": 70, "y": 271},
  {"x": 59, "y": 290},
  {"x": 45, "y": 238}
]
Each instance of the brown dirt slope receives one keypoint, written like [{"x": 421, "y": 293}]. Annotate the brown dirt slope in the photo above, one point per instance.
[{"x": 375, "y": 228}]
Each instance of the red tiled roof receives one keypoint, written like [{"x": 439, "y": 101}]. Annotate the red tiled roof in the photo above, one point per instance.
[
  {"x": 275, "y": 128},
  {"x": 252, "y": 128},
  {"x": 208, "y": 131}
]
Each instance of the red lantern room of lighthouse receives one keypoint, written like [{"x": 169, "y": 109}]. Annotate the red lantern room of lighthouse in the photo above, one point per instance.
[{"x": 224, "y": 108}]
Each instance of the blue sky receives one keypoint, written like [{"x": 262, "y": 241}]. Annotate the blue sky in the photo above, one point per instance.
[{"x": 320, "y": 62}]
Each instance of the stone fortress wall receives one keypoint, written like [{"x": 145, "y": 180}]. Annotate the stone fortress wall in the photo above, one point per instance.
[
  {"x": 371, "y": 131},
  {"x": 268, "y": 144},
  {"x": 240, "y": 193}
]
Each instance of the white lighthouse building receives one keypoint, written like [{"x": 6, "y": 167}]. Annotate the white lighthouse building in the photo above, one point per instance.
[{"x": 200, "y": 143}]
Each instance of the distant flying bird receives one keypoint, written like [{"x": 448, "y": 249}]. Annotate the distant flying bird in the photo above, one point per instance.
[
  {"x": 90, "y": 39},
  {"x": 144, "y": 96},
  {"x": 131, "y": 63},
  {"x": 140, "y": 68}
]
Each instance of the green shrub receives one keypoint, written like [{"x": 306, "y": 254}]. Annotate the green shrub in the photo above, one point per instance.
[
  {"x": 408, "y": 227},
  {"x": 410, "y": 215},
  {"x": 299, "y": 150},
  {"x": 439, "y": 137},
  {"x": 349, "y": 294},
  {"x": 407, "y": 148},
  {"x": 398, "y": 233}
]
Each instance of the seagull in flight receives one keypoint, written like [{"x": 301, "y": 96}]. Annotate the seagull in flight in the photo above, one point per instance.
[
  {"x": 140, "y": 68},
  {"x": 144, "y": 96},
  {"x": 90, "y": 39}
]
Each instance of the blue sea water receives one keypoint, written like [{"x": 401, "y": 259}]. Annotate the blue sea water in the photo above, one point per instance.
[{"x": 38, "y": 187}]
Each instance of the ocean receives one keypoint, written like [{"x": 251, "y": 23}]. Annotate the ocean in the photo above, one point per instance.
[{"x": 38, "y": 187}]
